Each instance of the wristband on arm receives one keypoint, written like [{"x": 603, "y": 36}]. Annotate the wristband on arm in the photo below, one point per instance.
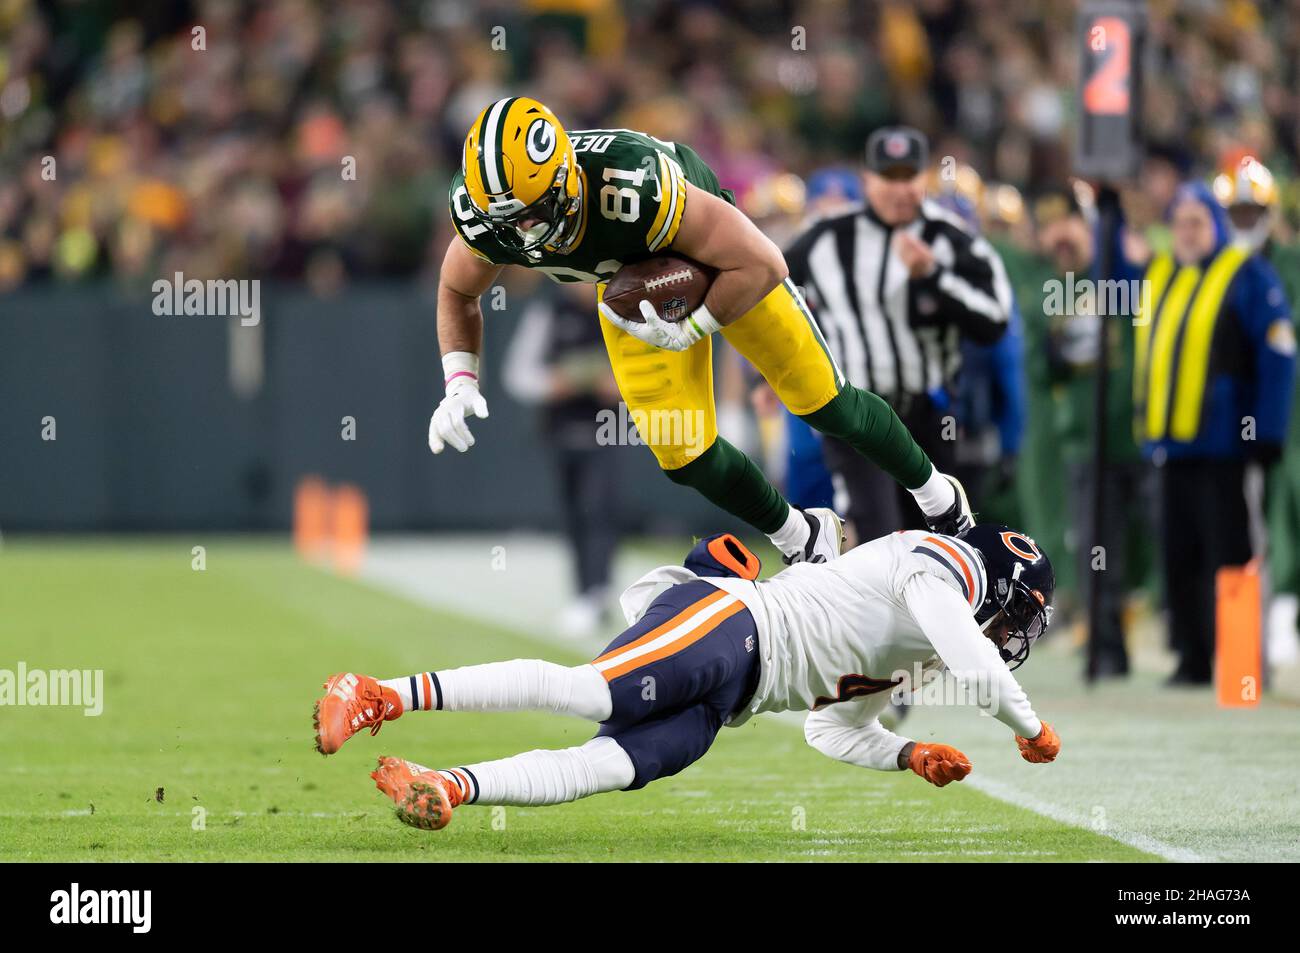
[
  {"x": 703, "y": 321},
  {"x": 459, "y": 365}
]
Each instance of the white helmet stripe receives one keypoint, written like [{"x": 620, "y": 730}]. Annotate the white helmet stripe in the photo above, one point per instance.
[{"x": 491, "y": 161}]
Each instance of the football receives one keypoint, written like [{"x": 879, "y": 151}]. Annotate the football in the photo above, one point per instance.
[{"x": 674, "y": 284}]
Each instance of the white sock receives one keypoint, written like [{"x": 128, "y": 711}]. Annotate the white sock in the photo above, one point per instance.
[
  {"x": 517, "y": 685},
  {"x": 793, "y": 535},
  {"x": 546, "y": 777},
  {"x": 936, "y": 495},
  {"x": 403, "y": 688}
]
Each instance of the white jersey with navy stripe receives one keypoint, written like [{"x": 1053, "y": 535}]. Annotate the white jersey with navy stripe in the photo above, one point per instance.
[
  {"x": 955, "y": 563},
  {"x": 845, "y": 630}
]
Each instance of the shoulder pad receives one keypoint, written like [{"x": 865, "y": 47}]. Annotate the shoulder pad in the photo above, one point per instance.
[{"x": 954, "y": 562}]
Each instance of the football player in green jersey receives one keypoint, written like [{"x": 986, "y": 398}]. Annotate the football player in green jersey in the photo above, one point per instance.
[{"x": 577, "y": 206}]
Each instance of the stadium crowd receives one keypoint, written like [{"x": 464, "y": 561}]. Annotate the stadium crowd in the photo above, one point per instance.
[{"x": 299, "y": 139}]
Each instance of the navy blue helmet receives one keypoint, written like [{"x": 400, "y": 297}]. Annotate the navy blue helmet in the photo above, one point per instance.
[{"x": 1020, "y": 586}]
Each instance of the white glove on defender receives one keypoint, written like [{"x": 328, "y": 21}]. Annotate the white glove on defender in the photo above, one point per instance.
[
  {"x": 668, "y": 335},
  {"x": 448, "y": 424}
]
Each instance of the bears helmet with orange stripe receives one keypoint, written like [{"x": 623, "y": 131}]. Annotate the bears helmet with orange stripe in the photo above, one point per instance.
[{"x": 1017, "y": 607}]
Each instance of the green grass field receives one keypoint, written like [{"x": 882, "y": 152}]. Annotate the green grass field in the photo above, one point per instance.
[{"x": 209, "y": 682}]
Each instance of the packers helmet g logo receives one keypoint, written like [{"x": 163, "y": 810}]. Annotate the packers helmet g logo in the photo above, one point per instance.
[
  {"x": 522, "y": 176},
  {"x": 540, "y": 141}
]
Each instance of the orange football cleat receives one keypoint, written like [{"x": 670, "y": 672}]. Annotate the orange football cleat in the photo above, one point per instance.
[
  {"x": 352, "y": 702},
  {"x": 424, "y": 798}
]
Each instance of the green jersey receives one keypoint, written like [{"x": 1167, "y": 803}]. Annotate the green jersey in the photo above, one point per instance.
[{"x": 633, "y": 194}]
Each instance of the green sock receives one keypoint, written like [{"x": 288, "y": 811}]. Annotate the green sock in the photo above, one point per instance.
[
  {"x": 731, "y": 481},
  {"x": 870, "y": 426}
]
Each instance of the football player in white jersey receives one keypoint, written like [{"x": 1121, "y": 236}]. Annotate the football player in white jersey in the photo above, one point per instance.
[{"x": 718, "y": 646}]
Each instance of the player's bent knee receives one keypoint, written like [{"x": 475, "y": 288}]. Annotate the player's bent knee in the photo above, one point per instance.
[
  {"x": 690, "y": 470},
  {"x": 610, "y": 765},
  {"x": 677, "y": 436},
  {"x": 673, "y": 459},
  {"x": 666, "y": 745},
  {"x": 590, "y": 698}
]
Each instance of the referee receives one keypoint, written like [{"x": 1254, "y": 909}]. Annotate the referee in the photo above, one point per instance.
[{"x": 894, "y": 285}]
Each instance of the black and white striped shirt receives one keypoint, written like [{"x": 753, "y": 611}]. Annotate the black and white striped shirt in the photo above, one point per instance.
[{"x": 889, "y": 333}]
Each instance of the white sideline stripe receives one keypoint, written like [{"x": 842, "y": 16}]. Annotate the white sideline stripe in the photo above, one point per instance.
[
  {"x": 1005, "y": 792},
  {"x": 1062, "y": 815},
  {"x": 672, "y": 635}
]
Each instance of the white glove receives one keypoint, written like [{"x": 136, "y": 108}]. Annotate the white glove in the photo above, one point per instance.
[
  {"x": 668, "y": 335},
  {"x": 448, "y": 424}
]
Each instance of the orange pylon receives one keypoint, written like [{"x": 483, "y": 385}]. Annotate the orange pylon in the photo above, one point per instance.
[
  {"x": 311, "y": 518},
  {"x": 351, "y": 525},
  {"x": 1238, "y": 643}
]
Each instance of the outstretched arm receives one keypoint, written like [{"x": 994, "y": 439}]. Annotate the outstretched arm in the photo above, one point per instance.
[
  {"x": 463, "y": 280},
  {"x": 973, "y": 660},
  {"x": 852, "y": 732},
  {"x": 947, "y": 622}
]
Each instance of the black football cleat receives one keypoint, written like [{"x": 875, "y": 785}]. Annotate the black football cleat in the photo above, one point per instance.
[{"x": 957, "y": 519}]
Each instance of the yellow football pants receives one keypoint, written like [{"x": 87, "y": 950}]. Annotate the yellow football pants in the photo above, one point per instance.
[{"x": 669, "y": 394}]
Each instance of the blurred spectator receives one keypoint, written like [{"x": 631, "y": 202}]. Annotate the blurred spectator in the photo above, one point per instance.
[
  {"x": 1214, "y": 374},
  {"x": 557, "y": 362},
  {"x": 1067, "y": 237},
  {"x": 989, "y": 399},
  {"x": 1247, "y": 191},
  {"x": 796, "y": 453},
  {"x": 314, "y": 141}
]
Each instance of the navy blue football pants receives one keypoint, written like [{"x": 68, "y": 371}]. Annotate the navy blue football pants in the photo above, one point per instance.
[{"x": 676, "y": 675}]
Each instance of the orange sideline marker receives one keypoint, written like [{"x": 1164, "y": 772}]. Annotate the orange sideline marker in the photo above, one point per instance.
[
  {"x": 311, "y": 518},
  {"x": 1238, "y": 655},
  {"x": 351, "y": 525}
]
